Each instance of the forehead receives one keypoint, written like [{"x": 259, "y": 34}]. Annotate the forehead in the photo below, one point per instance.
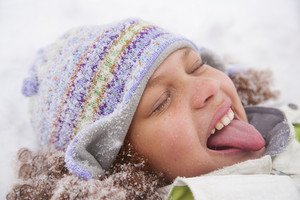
[{"x": 179, "y": 56}]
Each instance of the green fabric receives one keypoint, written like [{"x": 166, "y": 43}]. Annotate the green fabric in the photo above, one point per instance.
[
  {"x": 297, "y": 130},
  {"x": 181, "y": 193}
]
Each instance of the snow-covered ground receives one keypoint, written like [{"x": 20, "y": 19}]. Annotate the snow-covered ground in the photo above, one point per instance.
[{"x": 260, "y": 33}]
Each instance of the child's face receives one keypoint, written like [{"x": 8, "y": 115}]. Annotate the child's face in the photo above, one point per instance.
[{"x": 176, "y": 115}]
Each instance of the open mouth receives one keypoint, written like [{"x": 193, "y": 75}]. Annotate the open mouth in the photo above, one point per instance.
[{"x": 231, "y": 134}]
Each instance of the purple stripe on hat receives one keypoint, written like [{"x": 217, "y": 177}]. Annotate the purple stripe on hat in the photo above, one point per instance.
[
  {"x": 124, "y": 68},
  {"x": 76, "y": 118},
  {"x": 60, "y": 69},
  {"x": 80, "y": 86}
]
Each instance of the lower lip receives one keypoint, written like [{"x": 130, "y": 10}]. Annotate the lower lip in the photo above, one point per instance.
[
  {"x": 234, "y": 151},
  {"x": 229, "y": 151}
]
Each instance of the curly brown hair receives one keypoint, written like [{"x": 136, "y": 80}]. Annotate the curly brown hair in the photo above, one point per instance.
[
  {"x": 254, "y": 86},
  {"x": 43, "y": 175}
]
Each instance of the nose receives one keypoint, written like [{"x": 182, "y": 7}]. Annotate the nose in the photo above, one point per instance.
[{"x": 203, "y": 90}]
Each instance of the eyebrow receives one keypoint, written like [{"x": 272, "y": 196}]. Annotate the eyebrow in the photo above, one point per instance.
[
  {"x": 152, "y": 82},
  {"x": 155, "y": 81}
]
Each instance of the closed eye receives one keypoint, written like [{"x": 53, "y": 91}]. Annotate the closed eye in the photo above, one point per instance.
[
  {"x": 162, "y": 103},
  {"x": 197, "y": 65}
]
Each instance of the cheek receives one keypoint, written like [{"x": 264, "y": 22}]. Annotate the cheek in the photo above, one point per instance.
[
  {"x": 178, "y": 151},
  {"x": 178, "y": 140},
  {"x": 166, "y": 141},
  {"x": 174, "y": 135}
]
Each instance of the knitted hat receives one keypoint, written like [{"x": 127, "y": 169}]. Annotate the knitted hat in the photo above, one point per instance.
[{"x": 86, "y": 86}]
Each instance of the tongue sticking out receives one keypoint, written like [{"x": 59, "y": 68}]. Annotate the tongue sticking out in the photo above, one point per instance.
[{"x": 237, "y": 134}]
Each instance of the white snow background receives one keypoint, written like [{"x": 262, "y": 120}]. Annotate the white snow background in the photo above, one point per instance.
[{"x": 260, "y": 33}]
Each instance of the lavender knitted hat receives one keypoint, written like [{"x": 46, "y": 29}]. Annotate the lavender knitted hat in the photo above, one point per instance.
[{"x": 86, "y": 86}]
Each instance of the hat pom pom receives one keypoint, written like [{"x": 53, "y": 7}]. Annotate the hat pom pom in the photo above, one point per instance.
[{"x": 30, "y": 86}]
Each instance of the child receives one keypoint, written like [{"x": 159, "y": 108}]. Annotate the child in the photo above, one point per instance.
[{"x": 131, "y": 92}]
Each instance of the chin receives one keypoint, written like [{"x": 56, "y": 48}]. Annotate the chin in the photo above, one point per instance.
[
  {"x": 252, "y": 155},
  {"x": 259, "y": 153}
]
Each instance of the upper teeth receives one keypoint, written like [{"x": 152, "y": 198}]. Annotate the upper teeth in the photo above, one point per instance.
[{"x": 226, "y": 119}]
